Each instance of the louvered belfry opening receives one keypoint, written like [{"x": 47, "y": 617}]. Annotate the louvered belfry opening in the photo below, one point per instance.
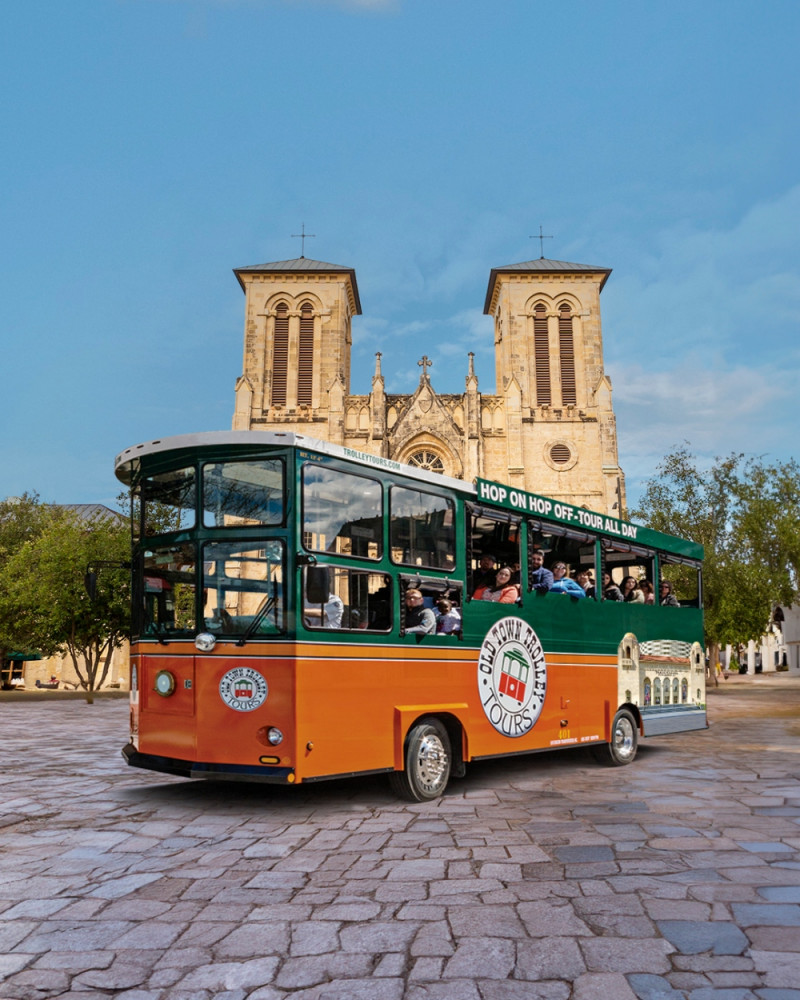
[
  {"x": 305, "y": 355},
  {"x": 566, "y": 348},
  {"x": 280, "y": 355},
  {"x": 542, "y": 356}
]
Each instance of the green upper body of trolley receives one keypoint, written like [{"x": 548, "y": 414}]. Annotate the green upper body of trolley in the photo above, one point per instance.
[{"x": 241, "y": 533}]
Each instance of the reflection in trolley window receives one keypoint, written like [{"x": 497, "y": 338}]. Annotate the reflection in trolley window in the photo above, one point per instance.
[
  {"x": 422, "y": 529},
  {"x": 242, "y": 493},
  {"x": 342, "y": 513}
]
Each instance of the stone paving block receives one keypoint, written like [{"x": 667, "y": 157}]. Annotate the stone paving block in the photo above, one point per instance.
[
  {"x": 501, "y": 871},
  {"x": 776, "y": 914},
  {"x": 780, "y": 893},
  {"x": 204, "y": 934},
  {"x": 481, "y": 958},
  {"x": 355, "y": 989},
  {"x": 253, "y": 939},
  {"x": 709, "y": 963},
  {"x": 778, "y": 994},
  {"x": 735, "y": 980},
  {"x": 150, "y": 934},
  {"x": 426, "y": 969},
  {"x": 646, "y": 986},
  {"x": 603, "y": 986},
  {"x": 486, "y": 921},
  {"x": 393, "y": 964},
  {"x": 378, "y": 936},
  {"x": 433, "y": 939},
  {"x": 33, "y": 908},
  {"x": 676, "y": 909},
  {"x": 231, "y": 975},
  {"x": 296, "y": 973},
  {"x": 556, "y": 919},
  {"x": 691, "y": 937},
  {"x": 778, "y": 968},
  {"x": 314, "y": 937},
  {"x": 462, "y": 989},
  {"x": 119, "y": 975},
  {"x": 549, "y": 958},
  {"x": 774, "y": 938},
  {"x": 626, "y": 955},
  {"x": 722, "y": 993}
]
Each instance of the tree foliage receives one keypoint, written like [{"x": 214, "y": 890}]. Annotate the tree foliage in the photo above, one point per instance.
[
  {"x": 746, "y": 514},
  {"x": 44, "y": 605}
]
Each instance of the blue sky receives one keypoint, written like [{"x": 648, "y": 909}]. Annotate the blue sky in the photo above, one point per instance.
[{"x": 150, "y": 146}]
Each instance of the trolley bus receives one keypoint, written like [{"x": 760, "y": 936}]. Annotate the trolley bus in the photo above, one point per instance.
[{"x": 271, "y": 637}]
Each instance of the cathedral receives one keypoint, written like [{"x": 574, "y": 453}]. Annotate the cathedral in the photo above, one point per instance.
[{"x": 548, "y": 427}]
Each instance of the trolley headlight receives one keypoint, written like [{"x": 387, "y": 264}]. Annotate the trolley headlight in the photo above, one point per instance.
[
  {"x": 164, "y": 683},
  {"x": 275, "y": 736},
  {"x": 205, "y": 642}
]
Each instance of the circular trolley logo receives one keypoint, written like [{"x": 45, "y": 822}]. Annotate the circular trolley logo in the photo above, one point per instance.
[
  {"x": 243, "y": 689},
  {"x": 512, "y": 677}
]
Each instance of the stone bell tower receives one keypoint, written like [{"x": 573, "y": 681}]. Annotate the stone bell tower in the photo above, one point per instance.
[
  {"x": 561, "y": 431},
  {"x": 296, "y": 369}
]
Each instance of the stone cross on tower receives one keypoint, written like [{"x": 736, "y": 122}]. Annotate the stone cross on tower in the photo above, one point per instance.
[{"x": 425, "y": 364}]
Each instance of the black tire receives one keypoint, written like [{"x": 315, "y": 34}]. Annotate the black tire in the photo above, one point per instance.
[
  {"x": 428, "y": 761},
  {"x": 624, "y": 741}
]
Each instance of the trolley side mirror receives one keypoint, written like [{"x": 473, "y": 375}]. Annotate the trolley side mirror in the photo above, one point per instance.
[{"x": 90, "y": 576}]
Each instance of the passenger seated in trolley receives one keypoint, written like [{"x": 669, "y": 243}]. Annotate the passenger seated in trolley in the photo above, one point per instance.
[
  {"x": 419, "y": 619},
  {"x": 667, "y": 598},
  {"x": 329, "y": 615},
  {"x": 562, "y": 583},
  {"x": 502, "y": 592},
  {"x": 449, "y": 619},
  {"x": 541, "y": 578}
]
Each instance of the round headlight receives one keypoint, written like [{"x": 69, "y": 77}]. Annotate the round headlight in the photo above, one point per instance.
[
  {"x": 205, "y": 642},
  {"x": 275, "y": 736},
  {"x": 164, "y": 683}
]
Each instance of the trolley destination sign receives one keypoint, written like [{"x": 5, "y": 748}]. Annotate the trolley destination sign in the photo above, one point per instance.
[{"x": 579, "y": 518}]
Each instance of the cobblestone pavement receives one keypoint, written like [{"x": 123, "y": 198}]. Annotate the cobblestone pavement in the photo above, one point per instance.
[{"x": 539, "y": 877}]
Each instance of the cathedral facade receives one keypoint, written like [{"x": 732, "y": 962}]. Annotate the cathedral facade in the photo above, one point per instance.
[{"x": 548, "y": 427}]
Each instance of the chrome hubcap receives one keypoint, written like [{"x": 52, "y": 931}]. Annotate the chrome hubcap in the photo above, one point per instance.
[
  {"x": 431, "y": 763},
  {"x": 623, "y": 738}
]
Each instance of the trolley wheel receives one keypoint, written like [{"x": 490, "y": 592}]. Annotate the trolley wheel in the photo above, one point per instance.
[
  {"x": 624, "y": 741},
  {"x": 428, "y": 761}
]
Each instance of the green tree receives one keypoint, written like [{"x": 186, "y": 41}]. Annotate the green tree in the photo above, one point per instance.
[
  {"x": 44, "y": 604},
  {"x": 21, "y": 520},
  {"x": 746, "y": 514}
]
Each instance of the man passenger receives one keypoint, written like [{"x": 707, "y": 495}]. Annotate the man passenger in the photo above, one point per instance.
[
  {"x": 485, "y": 573},
  {"x": 418, "y": 618},
  {"x": 541, "y": 578}
]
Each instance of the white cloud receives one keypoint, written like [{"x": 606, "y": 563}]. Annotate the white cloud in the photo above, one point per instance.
[{"x": 701, "y": 340}]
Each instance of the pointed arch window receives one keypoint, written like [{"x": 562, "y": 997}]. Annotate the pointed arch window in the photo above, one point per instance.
[
  {"x": 566, "y": 349},
  {"x": 305, "y": 355},
  {"x": 280, "y": 355},
  {"x": 541, "y": 349}
]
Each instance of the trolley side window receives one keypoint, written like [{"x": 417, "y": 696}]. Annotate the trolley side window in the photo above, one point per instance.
[
  {"x": 338, "y": 597},
  {"x": 168, "y": 591},
  {"x": 623, "y": 561},
  {"x": 492, "y": 543},
  {"x": 242, "y": 493},
  {"x": 685, "y": 579},
  {"x": 168, "y": 502},
  {"x": 342, "y": 513},
  {"x": 243, "y": 588},
  {"x": 421, "y": 529},
  {"x": 575, "y": 549}
]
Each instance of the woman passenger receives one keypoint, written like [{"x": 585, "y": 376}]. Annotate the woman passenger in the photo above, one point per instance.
[
  {"x": 631, "y": 592},
  {"x": 503, "y": 591},
  {"x": 647, "y": 589}
]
